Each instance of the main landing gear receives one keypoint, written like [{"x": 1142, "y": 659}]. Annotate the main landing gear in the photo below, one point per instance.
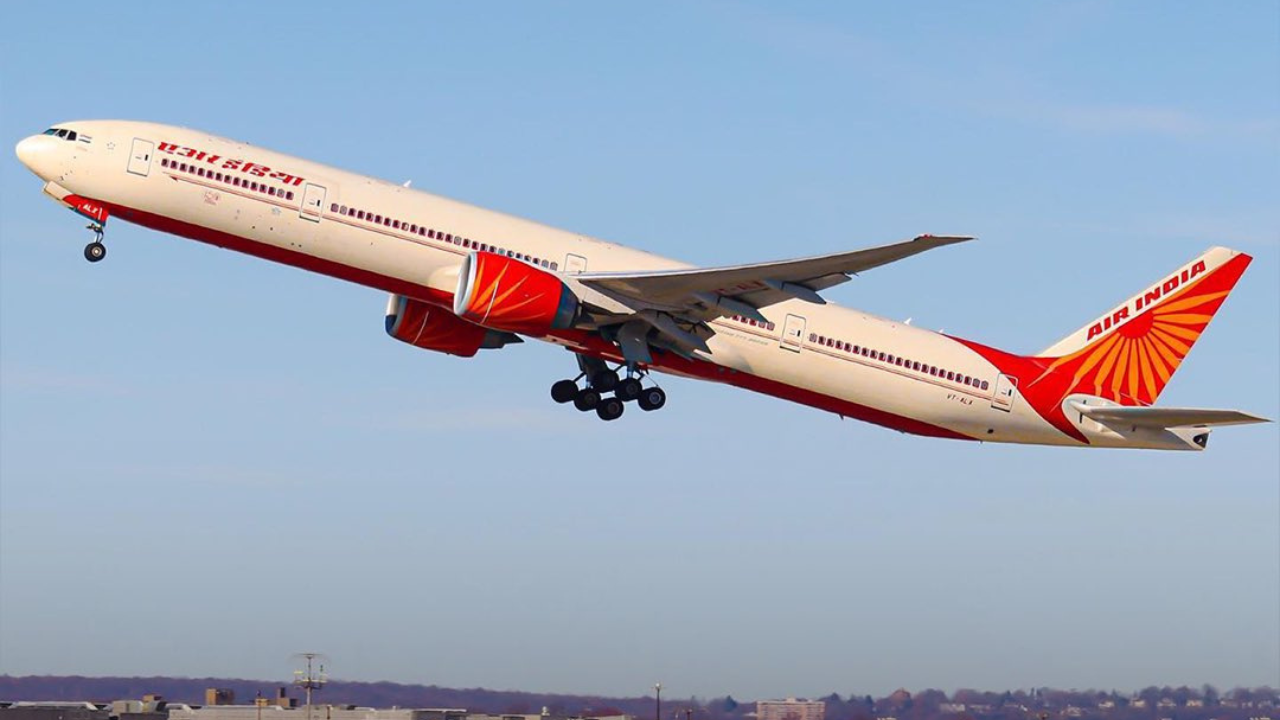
[
  {"x": 606, "y": 392},
  {"x": 95, "y": 251}
]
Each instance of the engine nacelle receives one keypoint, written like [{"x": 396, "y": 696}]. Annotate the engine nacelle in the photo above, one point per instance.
[
  {"x": 500, "y": 292},
  {"x": 431, "y": 327}
]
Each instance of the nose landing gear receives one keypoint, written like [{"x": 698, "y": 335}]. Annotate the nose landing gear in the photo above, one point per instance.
[{"x": 95, "y": 251}]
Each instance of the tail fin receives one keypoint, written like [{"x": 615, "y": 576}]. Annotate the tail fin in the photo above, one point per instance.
[{"x": 1129, "y": 354}]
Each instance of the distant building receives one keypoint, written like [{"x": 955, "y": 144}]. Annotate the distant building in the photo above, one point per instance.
[
  {"x": 54, "y": 711},
  {"x": 318, "y": 712},
  {"x": 790, "y": 709},
  {"x": 219, "y": 696}
]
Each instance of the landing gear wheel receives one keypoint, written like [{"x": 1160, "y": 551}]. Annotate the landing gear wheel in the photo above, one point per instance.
[
  {"x": 564, "y": 391},
  {"x": 95, "y": 251},
  {"x": 604, "y": 381},
  {"x": 586, "y": 399},
  {"x": 629, "y": 389},
  {"x": 610, "y": 409},
  {"x": 652, "y": 399}
]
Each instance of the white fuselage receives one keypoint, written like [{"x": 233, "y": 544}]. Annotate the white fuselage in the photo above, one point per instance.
[{"x": 409, "y": 242}]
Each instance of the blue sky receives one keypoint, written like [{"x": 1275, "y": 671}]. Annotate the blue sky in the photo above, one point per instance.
[{"x": 208, "y": 463}]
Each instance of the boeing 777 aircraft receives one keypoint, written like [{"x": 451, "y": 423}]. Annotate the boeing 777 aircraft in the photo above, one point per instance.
[{"x": 463, "y": 279}]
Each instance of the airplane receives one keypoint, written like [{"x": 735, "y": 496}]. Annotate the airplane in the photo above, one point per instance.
[{"x": 463, "y": 279}]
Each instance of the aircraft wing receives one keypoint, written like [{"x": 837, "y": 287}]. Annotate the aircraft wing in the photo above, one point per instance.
[
  {"x": 671, "y": 308},
  {"x": 757, "y": 285},
  {"x": 1165, "y": 417}
]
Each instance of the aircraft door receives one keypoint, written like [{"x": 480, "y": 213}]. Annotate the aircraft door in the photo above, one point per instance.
[
  {"x": 312, "y": 202},
  {"x": 793, "y": 333},
  {"x": 574, "y": 264},
  {"x": 140, "y": 156},
  {"x": 1006, "y": 387}
]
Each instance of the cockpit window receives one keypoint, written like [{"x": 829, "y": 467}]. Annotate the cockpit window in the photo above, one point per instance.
[{"x": 63, "y": 133}]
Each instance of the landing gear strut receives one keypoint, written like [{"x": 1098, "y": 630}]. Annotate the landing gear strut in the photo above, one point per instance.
[
  {"x": 95, "y": 251},
  {"x": 606, "y": 391}
]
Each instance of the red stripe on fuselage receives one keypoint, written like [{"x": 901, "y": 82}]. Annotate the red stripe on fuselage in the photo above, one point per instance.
[{"x": 584, "y": 342}]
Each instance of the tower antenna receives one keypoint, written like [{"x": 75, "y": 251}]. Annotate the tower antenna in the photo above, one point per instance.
[{"x": 310, "y": 679}]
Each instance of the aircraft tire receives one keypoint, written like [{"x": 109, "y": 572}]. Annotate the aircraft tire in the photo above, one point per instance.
[
  {"x": 586, "y": 399},
  {"x": 564, "y": 391},
  {"x": 652, "y": 399},
  {"x": 629, "y": 390},
  {"x": 610, "y": 409},
  {"x": 604, "y": 381}
]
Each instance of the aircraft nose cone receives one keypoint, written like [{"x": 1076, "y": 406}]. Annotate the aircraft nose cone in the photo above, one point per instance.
[{"x": 34, "y": 152}]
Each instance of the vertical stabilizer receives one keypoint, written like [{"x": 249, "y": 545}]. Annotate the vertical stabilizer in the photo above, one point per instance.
[{"x": 1129, "y": 354}]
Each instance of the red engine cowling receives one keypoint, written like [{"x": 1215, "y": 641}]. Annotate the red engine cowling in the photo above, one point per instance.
[
  {"x": 500, "y": 292},
  {"x": 431, "y": 327}
]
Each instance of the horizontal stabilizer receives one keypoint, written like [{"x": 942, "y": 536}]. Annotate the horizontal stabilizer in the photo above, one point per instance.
[{"x": 1165, "y": 417}]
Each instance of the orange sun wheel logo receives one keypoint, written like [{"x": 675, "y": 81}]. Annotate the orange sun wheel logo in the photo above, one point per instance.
[{"x": 1134, "y": 363}]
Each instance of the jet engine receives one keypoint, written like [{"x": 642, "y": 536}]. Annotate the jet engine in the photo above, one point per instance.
[
  {"x": 431, "y": 327},
  {"x": 504, "y": 293}
]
